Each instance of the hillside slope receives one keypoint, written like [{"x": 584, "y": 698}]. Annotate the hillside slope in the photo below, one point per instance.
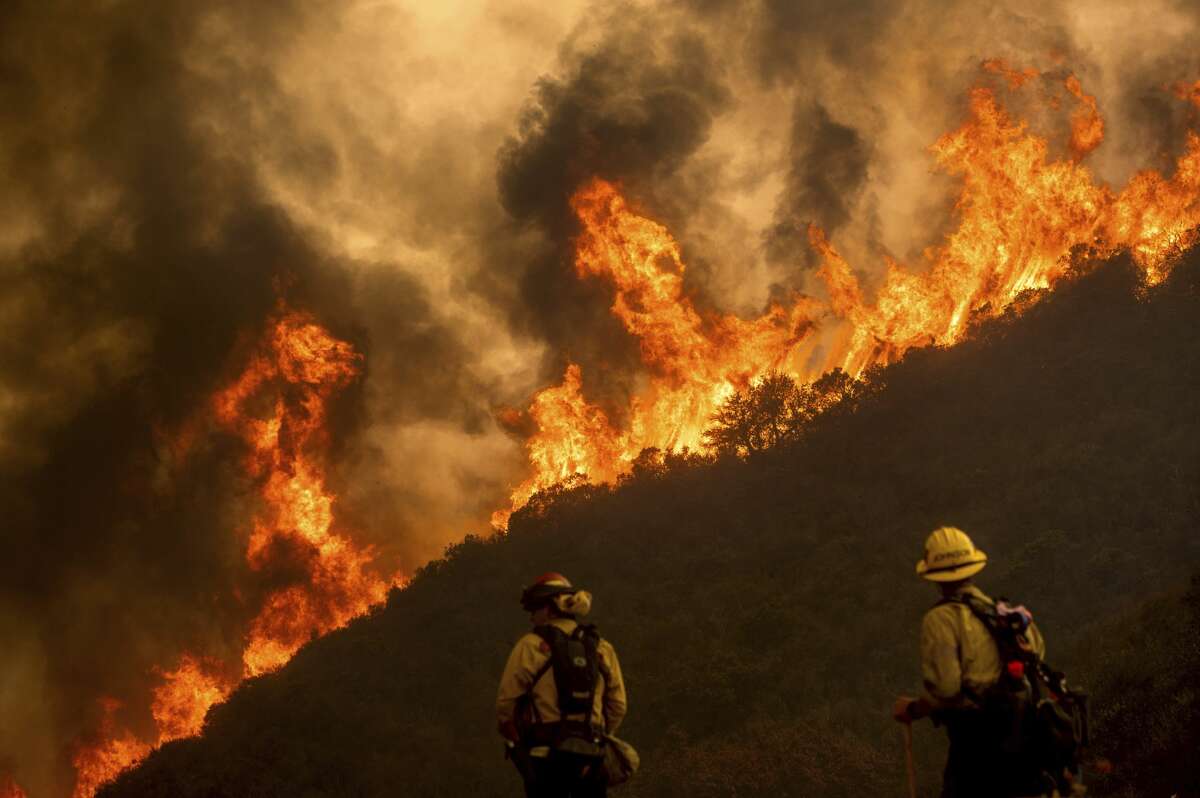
[{"x": 766, "y": 612}]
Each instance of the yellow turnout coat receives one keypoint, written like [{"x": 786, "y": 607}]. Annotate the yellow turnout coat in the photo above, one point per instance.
[
  {"x": 527, "y": 658},
  {"x": 959, "y": 658}
]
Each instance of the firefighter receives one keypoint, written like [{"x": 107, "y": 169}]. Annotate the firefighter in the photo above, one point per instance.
[
  {"x": 960, "y": 662},
  {"x": 560, "y": 694}
]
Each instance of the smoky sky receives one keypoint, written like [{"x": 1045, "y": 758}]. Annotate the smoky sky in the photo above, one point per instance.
[
  {"x": 158, "y": 257},
  {"x": 828, "y": 170},
  {"x": 632, "y": 109},
  {"x": 175, "y": 170}
]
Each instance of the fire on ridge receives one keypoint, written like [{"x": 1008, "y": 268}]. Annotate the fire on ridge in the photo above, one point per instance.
[
  {"x": 1020, "y": 217},
  {"x": 278, "y": 407}
]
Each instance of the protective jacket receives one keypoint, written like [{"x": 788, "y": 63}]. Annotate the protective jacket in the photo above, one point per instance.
[
  {"x": 959, "y": 657},
  {"x": 529, "y": 657}
]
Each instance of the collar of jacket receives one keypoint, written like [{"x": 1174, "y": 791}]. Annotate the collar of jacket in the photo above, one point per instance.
[
  {"x": 566, "y": 624},
  {"x": 973, "y": 590}
]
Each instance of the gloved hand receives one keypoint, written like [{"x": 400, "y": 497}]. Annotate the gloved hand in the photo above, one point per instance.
[
  {"x": 508, "y": 730},
  {"x": 907, "y": 709}
]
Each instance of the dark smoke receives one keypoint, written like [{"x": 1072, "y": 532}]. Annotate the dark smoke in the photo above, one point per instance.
[
  {"x": 828, "y": 171},
  {"x": 631, "y": 109},
  {"x": 157, "y": 258},
  {"x": 789, "y": 36}
]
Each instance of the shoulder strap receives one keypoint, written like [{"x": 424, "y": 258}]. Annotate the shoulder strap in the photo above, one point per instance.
[
  {"x": 587, "y": 634},
  {"x": 551, "y": 634},
  {"x": 1008, "y": 639},
  {"x": 983, "y": 610}
]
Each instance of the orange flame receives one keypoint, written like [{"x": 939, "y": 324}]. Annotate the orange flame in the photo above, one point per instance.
[
  {"x": 178, "y": 707},
  {"x": 303, "y": 367},
  {"x": 9, "y": 788},
  {"x": 695, "y": 361},
  {"x": 1016, "y": 78},
  {"x": 117, "y": 749},
  {"x": 1087, "y": 126},
  {"x": 298, "y": 368},
  {"x": 1020, "y": 217},
  {"x": 185, "y": 696},
  {"x": 1188, "y": 91}
]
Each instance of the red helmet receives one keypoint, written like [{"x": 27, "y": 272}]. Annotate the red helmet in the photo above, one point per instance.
[{"x": 544, "y": 588}]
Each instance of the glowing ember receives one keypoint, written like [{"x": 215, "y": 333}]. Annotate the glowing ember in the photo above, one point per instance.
[
  {"x": 1020, "y": 216},
  {"x": 299, "y": 366}
]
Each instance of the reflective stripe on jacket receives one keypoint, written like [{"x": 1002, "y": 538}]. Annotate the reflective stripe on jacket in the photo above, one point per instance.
[
  {"x": 527, "y": 658},
  {"x": 959, "y": 658}
]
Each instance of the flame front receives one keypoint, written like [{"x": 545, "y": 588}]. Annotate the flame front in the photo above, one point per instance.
[
  {"x": 301, "y": 369},
  {"x": 695, "y": 361},
  {"x": 1020, "y": 216},
  {"x": 118, "y": 749},
  {"x": 290, "y": 380}
]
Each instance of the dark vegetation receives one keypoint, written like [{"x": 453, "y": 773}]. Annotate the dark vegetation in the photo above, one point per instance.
[{"x": 765, "y": 607}]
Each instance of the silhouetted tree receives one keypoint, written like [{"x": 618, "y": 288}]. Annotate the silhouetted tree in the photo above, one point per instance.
[
  {"x": 775, "y": 409},
  {"x": 649, "y": 464},
  {"x": 768, "y": 413},
  {"x": 833, "y": 389}
]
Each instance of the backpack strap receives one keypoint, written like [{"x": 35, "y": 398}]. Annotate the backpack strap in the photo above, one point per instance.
[
  {"x": 587, "y": 634},
  {"x": 1011, "y": 641},
  {"x": 549, "y": 634}
]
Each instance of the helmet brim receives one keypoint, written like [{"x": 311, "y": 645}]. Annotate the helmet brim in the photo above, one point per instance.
[
  {"x": 540, "y": 595},
  {"x": 952, "y": 573}
]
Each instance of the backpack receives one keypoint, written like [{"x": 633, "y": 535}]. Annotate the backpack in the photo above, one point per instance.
[
  {"x": 1041, "y": 722},
  {"x": 576, "y": 666}
]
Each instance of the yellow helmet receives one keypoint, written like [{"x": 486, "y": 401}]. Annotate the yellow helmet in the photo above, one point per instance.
[{"x": 949, "y": 556}]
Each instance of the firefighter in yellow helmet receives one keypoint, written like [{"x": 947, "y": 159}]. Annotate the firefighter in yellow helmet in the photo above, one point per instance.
[
  {"x": 960, "y": 661},
  {"x": 560, "y": 693}
]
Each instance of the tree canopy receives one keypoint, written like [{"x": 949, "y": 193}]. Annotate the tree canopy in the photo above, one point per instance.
[{"x": 775, "y": 410}]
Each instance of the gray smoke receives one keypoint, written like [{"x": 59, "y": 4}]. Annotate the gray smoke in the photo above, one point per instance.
[{"x": 142, "y": 257}]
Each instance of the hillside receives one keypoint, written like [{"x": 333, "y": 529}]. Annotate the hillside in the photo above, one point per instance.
[{"x": 766, "y": 611}]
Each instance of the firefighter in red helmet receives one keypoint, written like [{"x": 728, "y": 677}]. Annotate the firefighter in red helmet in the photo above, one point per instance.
[{"x": 560, "y": 695}]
